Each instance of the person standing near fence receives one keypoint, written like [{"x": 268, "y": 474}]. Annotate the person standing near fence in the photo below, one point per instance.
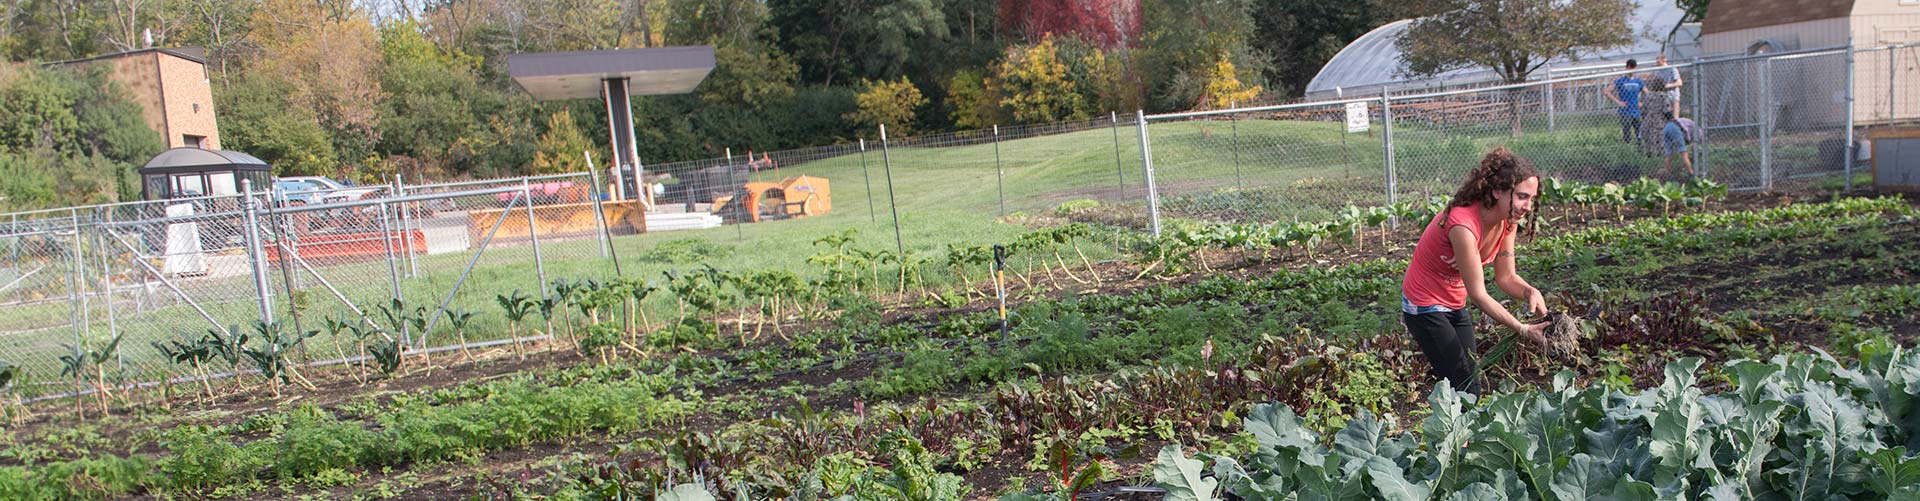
[
  {"x": 1476, "y": 229},
  {"x": 1625, "y": 93},
  {"x": 1655, "y": 106},
  {"x": 1673, "y": 82}
]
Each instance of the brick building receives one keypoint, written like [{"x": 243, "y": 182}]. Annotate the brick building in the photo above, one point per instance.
[{"x": 172, "y": 88}]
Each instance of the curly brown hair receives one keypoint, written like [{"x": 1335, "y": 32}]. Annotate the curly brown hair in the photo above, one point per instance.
[{"x": 1501, "y": 169}]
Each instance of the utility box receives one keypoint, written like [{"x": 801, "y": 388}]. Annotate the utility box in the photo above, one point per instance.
[{"x": 1896, "y": 159}]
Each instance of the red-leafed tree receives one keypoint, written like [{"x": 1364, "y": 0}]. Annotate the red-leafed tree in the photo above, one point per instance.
[{"x": 1106, "y": 23}]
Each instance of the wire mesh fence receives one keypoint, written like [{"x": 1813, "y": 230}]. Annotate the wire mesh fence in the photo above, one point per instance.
[
  {"x": 1765, "y": 121},
  {"x": 423, "y": 264},
  {"x": 1287, "y": 162}
]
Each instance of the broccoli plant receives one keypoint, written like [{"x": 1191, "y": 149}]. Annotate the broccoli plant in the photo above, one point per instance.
[
  {"x": 600, "y": 339},
  {"x": 458, "y": 318},
  {"x": 271, "y": 357},
  {"x": 191, "y": 351},
  {"x": 334, "y": 327},
  {"x": 546, "y": 307},
  {"x": 634, "y": 292},
  {"x": 87, "y": 366},
  {"x": 385, "y": 351},
  {"x": 516, "y": 307}
]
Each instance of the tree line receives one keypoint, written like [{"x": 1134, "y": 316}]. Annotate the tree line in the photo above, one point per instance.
[{"x": 363, "y": 89}]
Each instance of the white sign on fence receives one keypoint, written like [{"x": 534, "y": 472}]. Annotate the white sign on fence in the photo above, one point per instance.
[{"x": 1357, "y": 117}]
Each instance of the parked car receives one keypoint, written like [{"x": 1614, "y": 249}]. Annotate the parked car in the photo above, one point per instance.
[{"x": 320, "y": 190}]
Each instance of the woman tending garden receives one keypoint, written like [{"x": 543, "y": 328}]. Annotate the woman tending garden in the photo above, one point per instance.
[{"x": 1475, "y": 230}]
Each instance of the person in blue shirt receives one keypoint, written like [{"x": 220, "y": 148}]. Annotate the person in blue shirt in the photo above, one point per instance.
[
  {"x": 1625, "y": 93},
  {"x": 1674, "y": 141}
]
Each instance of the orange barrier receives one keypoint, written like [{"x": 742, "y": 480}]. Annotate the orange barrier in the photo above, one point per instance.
[
  {"x": 320, "y": 246},
  {"x": 571, "y": 220}
]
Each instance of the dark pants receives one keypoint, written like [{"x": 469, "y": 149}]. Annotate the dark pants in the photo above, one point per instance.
[
  {"x": 1629, "y": 128},
  {"x": 1447, "y": 340}
]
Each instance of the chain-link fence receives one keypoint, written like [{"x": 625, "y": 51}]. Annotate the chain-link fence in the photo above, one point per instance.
[
  {"x": 1764, "y": 120},
  {"x": 1261, "y": 164},
  {"x": 128, "y": 280}
]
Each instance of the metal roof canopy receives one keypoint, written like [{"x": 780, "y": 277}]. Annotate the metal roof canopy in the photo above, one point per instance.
[
  {"x": 578, "y": 74},
  {"x": 189, "y": 159},
  {"x": 188, "y": 171},
  {"x": 613, "y": 76}
]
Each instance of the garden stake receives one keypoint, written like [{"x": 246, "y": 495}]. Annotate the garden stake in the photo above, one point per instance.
[{"x": 999, "y": 285}]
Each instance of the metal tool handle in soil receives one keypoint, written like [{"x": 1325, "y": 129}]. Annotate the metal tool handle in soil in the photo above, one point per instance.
[{"x": 999, "y": 285}]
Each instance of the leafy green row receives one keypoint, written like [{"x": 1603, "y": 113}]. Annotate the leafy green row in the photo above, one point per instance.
[
  {"x": 313, "y": 446},
  {"x": 1796, "y": 427},
  {"x": 1651, "y": 232}
]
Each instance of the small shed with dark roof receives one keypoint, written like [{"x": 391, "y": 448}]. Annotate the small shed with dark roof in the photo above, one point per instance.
[{"x": 190, "y": 172}]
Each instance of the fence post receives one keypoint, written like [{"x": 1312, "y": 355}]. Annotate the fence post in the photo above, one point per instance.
[
  {"x": 1118, "y": 171},
  {"x": 290, "y": 238},
  {"x": 393, "y": 269},
  {"x": 1893, "y": 71},
  {"x": 1146, "y": 166},
  {"x": 79, "y": 274},
  {"x": 1846, "y": 165},
  {"x": 105, "y": 216},
  {"x": 886, "y": 162},
  {"x": 258, "y": 255},
  {"x": 740, "y": 215},
  {"x": 1698, "y": 114},
  {"x": 533, "y": 234},
  {"x": 1233, "y": 122},
  {"x": 600, "y": 212},
  {"x": 406, "y": 227},
  {"x": 73, "y": 280},
  {"x": 1766, "y": 125},
  {"x": 999, "y": 172},
  {"x": 73, "y": 291},
  {"x": 283, "y": 230},
  {"x": 1547, "y": 88},
  {"x": 1386, "y": 138},
  {"x": 871, "y": 217}
]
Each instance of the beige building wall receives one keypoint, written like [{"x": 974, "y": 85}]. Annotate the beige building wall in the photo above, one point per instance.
[
  {"x": 188, "y": 99},
  {"x": 1878, "y": 23},
  {"x": 173, "y": 93},
  {"x": 140, "y": 76},
  {"x": 1810, "y": 35}
]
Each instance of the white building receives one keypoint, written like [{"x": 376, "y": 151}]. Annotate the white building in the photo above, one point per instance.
[{"x": 1372, "y": 62}]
